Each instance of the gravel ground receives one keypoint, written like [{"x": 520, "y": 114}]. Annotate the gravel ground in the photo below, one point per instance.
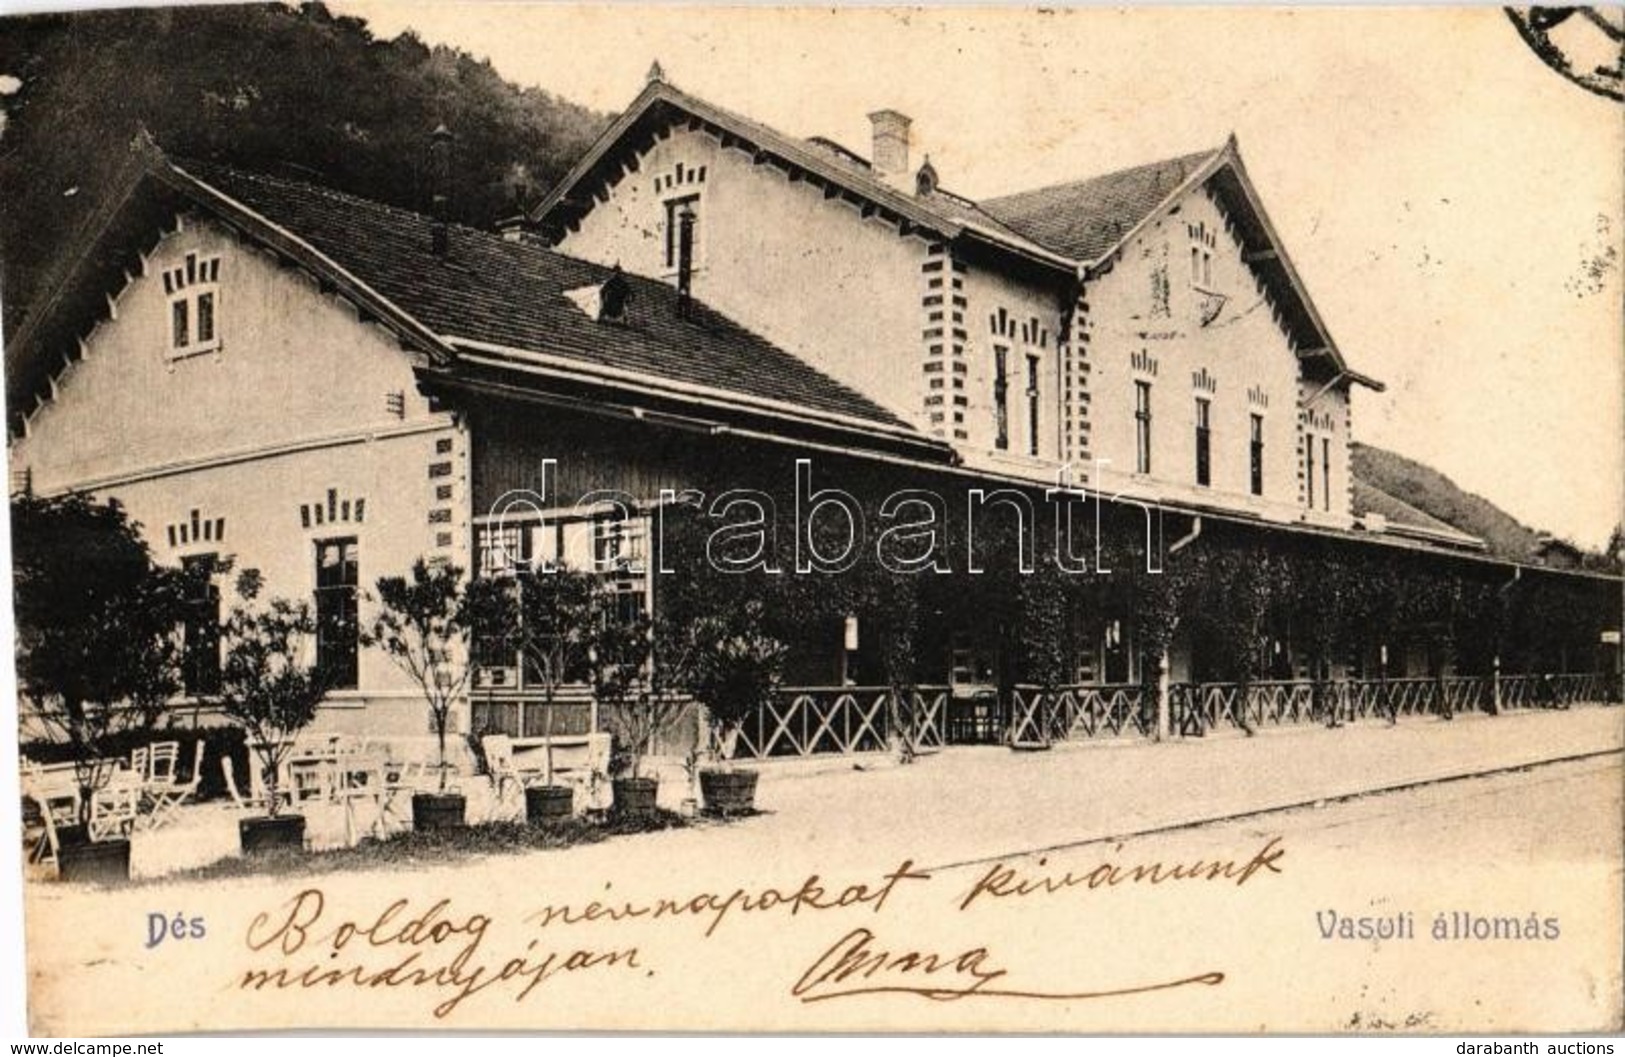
[{"x": 1544, "y": 841}]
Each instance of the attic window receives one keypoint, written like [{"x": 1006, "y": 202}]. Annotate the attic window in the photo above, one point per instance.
[
  {"x": 925, "y": 181},
  {"x": 193, "y": 289},
  {"x": 605, "y": 302},
  {"x": 1203, "y": 244}
]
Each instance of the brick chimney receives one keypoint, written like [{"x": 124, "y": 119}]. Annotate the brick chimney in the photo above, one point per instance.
[
  {"x": 889, "y": 155},
  {"x": 440, "y": 188}
]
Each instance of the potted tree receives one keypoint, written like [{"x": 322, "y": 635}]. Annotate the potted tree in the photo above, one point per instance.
[
  {"x": 556, "y": 611},
  {"x": 734, "y": 667},
  {"x": 271, "y": 694},
  {"x": 640, "y": 694},
  {"x": 97, "y": 650},
  {"x": 426, "y": 624}
]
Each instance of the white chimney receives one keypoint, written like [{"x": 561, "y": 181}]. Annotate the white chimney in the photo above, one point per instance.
[{"x": 889, "y": 156}]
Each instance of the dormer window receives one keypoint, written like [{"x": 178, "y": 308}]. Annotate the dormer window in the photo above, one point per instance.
[
  {"x": 604, "y": 302},
  {"x": 194, "y": 306}
]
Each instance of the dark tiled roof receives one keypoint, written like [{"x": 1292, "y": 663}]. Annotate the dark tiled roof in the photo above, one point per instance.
[
  {"x": 1085, "y": 218},
  {"x": 822, "y": 157},
  {"x": 511, "y": 294}
]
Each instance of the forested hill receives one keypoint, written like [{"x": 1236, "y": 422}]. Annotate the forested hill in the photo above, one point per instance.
[
  {"x": 1438, "y": 496},
  {"x": 265, "y": 87}
]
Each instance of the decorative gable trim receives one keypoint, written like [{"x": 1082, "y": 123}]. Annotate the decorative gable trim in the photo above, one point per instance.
[
  {"x": 195, "y": 529},
  {"x": 679, "y": 175},
  {"x": 333, "y": 511}
]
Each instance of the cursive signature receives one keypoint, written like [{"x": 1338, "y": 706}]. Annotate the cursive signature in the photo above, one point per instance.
[{"x": 855, "y": 965}]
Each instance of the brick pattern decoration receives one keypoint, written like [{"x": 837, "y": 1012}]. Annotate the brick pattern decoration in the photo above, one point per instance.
[
  {"x": 1302, "y": 442},
  {"x": 1258, "y": 397},
  {"x": 1345, "y": 454},
  {"x": 943, "y": 337},
  {"x": 194, "y": 271},
  {"x": 1076, "y": 442},
  {"x": 194, "y": 529},
  {"x": 333, "y": 510},
  {"x": 446, "y": 482},
  {"x": 1203, "y": 382},
  {"x": 678, "y": 176}
]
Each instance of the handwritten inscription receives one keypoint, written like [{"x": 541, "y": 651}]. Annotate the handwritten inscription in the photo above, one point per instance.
[
  {"x": 415, "y": 944},
  {"x": 857, "y": 965},
  {"x": 813, "y": 894},
  {"x": 1004, "y": 881},
  {"x": 455, "y": 954}
]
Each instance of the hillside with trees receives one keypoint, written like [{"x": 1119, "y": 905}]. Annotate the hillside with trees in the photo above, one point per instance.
[
  {"x": 267, "y": 87},
  {"x": 1438, "y": 496}
]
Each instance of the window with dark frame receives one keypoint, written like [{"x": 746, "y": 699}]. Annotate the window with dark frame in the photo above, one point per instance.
[
  {"x": 200, "y": 631},
  {"x": 1201, "y": 267},
  {"x": 1204, "y": 468},
  {"x": 1309, "y": 455},
  {"x": 1325, "y": 473},
  {"x": 338, "y": 640},
  {"x": 193, "y": 290},
  {"x": 1032, "y": 405},
  {"x": 180, "y": 331},
  {"x": 1256, "y": 454},
  {"x": 205, "y": 317},
  {"x": 616, "y": 549},
  {"x": 1142, "y": 427},
  {"x": 1001, "y": 398}
]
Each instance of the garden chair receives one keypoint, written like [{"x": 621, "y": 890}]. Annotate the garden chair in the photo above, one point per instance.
[
  {"x": 360, "y": 777},
  {"x": 163, "y": 761},
  {"x": 401, "y": 778},
  {"x": 138, "y": 761},
  {"x": 309, "y": 771},
  {"x": 56, "y": 796},
  {"x": 229, "y": 772},
  {"x": 115, "y": 808},
  {"x": 164, "y": 796},
  {"x": 500, "y": 768}
]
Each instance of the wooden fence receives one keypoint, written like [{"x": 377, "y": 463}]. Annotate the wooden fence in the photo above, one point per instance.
[
  {"x": 853, "y": 720},
  {"x": 812, "y": 720}
]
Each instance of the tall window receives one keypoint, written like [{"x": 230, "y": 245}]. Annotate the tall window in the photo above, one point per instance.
[
  {"x": 1204, "y": 467},
  {"x": 1001, "y": 398},
  {"x": 1256, "y": 455},
  {"x": 675, "y": 208},
  {"x": 1326, "y": 473},
  {"x": 337, "y": 629},
  {"x": 1201, "y": 267},
  {"x": 1142, "y": 427},
  {"x": 1309, "y": 454},
  {"x": 200, "y": 657},
  {"x": 193, "y": 289},
  {"x": 1032, "y": 405}
]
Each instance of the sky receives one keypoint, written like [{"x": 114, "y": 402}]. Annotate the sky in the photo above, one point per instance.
[{"x": 1453, "y": 205}]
